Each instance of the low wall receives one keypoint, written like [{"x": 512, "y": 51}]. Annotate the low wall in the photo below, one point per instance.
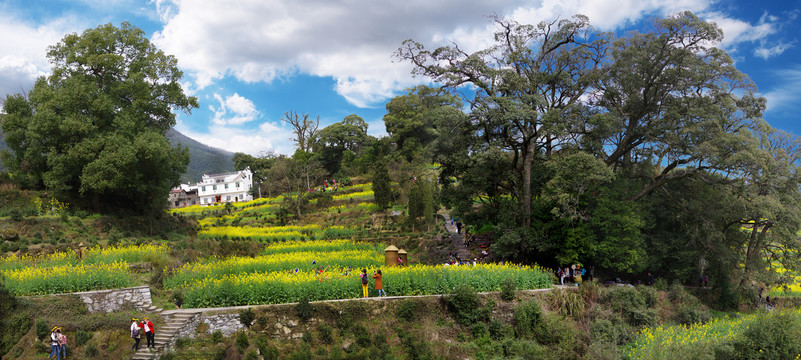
[
  {"x": 227, "y": 324},
  {"x": 116, "y": 299}
]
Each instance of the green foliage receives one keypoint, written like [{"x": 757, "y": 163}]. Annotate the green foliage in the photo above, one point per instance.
[
  {"x": 116, "y": 93},
  {"x": 82, "y": 337},
  {"x": 326, "y": 334},
  {"x": 242, "y": 342},
  {"x": 416, "y": 347},
  {"x": 479, "y": 330},
  {"x": 464, "y": 304},
  {"x": 381, "y": 184},
  {"x": 567, "y": 302},
  {"x": 217, "y": 337},
  {"x": 611, "y": 331},
  {"x": 508, "y": 289},
  {"x": 42, "y": 329},
  {"x": 528, "y": 317},
  {"x": 90, "y": 350},
  {"x": 634, "y": 305},
  {"x": 304, "y": 309},
  {"x": 247, "y": 316},
  {"x": 407, "y": 309}
]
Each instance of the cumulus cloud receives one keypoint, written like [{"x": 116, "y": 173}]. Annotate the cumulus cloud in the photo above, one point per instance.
[
  {"x": 23, "y": 53},
  {"x": 233, "y": 110}
]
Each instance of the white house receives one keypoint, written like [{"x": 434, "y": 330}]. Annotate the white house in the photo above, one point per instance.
[{"x": 228, "y": 187}]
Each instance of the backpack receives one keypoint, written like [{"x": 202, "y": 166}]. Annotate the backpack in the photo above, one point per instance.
[
  {"x": 364, "y": 279},
  {"x": 135, "y": 332}
]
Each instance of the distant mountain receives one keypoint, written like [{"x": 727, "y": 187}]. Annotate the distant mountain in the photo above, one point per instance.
[{"x": 203, "y": 159}]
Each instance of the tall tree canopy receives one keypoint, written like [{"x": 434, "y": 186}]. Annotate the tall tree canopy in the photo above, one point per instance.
[
  {"x": 593, "y": 137},
  {"x": 93, "y": 132}
]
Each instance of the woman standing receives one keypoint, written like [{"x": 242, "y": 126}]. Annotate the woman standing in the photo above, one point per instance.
[
  {"x": 136, "y": 334},
  {"x": 55, "y": 348},
  {"x": 62, "y": 342},
  {"x": 365, "y": 281},
  {"x": 379, "y": 285}
]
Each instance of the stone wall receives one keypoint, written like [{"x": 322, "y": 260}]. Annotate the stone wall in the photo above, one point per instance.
[
  {"x": 116, "y": 299},
  {"x": 227, "y": 324}
]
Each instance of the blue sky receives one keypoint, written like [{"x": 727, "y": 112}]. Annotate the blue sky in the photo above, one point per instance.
[{"x": 250, "y": 61}]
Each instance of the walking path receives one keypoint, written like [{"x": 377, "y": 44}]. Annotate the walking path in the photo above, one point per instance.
[{"x": 457, "y": 239}]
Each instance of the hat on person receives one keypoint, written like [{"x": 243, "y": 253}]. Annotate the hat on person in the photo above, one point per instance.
[
  {"x": 55, "y": 328},
  {"x": 134, "y": 319}
]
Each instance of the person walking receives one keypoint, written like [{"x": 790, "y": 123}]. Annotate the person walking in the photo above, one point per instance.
[
  {"x": 136, "y": 333},
  {"x": 365, "y": 281},
  {"x": 62, "y": 342},
  {"x": 379, "y": 285},
  {"x": 55, "y": 348},
  {"x": 150, "y": 333}
]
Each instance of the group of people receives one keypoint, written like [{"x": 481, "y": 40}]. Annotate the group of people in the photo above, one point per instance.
[
  {"x": 572, "y": 273},
  {"x": 332, "y": 186},
  {"x": 58, "y": 344},
  {"x": 146, "y": 327},
  {"x": 379, "y": 284}
]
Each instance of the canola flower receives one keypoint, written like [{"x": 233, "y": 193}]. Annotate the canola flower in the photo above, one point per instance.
[
  {"x": 15, "y": 261},
  {"x": 291, "y": 286},
  {"x": 354, "y": 195},
  {"x": 192, "y": 273},
  {"x": 273, "y": 233},
  {"x": 321, "y": 245},
  {"x": 67, "y": 278},
  {"x": 95, "y": 255},
  {"x": 670, "y": 342}
]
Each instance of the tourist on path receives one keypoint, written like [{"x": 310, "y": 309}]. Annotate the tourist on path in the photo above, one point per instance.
[
  {"x": 365, "y": 281},
  {"x": 62, "y": 342},
  {"x": 150, "y": 334},
  {"x": 136, "y": 333},
  {"x": 55, "y": 348},
  {"x": 379, "y": 285}
]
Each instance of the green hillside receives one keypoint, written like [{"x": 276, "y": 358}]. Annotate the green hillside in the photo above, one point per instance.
[{"x": 203, "y": 159}]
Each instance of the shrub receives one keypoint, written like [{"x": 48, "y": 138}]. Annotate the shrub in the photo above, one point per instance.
[
  {"x": 304, "y": 309},
  {"x": 527, "y": 317},
  {"x": 479, "y": 330},
  {"x": 632, "y": 304},
  {"x": 497, "y": 330},
  {"x": 182, "y": 342},
  {"x": 569, "y": 302},
  {"x": 326, "y": 334},
  {"x": 247, "y": 316},
  {"x": 90, "y": 351},
  {"x": 773, "y": 336},
  {"x": 688, "y": 314},
  {"x": 168, "y": 356},
  {"x": 252, "y": 355},
  {"x": 216, "y": 337},
  {"x": 82, "y": 337},
  {"x": 611, "y": 331},
  {"x": 661, "y": 284},
  {"x": 242, "y": 342},
  {"x": 463, "y": 304},
  {"x": 508, "y": 288},
  {"x": 407, "y": 309},
  {"x": 42, "y": 330}
]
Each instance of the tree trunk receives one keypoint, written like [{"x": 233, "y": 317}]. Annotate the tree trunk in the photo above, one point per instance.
[{"x": 528, "y": 161}]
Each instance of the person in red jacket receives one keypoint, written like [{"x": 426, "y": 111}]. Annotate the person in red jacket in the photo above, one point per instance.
[{"x": 150, "y": 333}]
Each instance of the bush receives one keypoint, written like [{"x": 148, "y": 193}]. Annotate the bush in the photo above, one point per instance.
[
  {"x": 42, "y": 329},
  {"x": 247, "y": 316},
  {"x": 568, "y": 301},
  {"x": 632, "y": 304},
  {"x": 90, "y": 351},
  {"x": 242, "y": 342},
  {"x": 304, "y": 309},
  {"x": 463, "y": 304},
  {"x": 611, "y": 331},
  {"x": 252, "y": 355},
  {"x": 661, "y": 284},
  {"x": 527, "y": 317},
  {"x": 326, "y": 334},
  {"x": 497, "y": 330},
  {"x": 217, "y": 337},
  {"x": 182, "y": 342},
  {"x": 773, "y": 336},
  {"x": 82, "y": 337},
  {"x": 407, "y": 309},
  {"x": 508, "y": 288},
  {"x": 479, "y": 330}
]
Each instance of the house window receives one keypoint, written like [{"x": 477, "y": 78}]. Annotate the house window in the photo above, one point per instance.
[
  {"x": 226, "y": 186},
  {"x": 203, "y": 189},
  {"x": 237, "y": 185},
  {"x": 214, "y": 187},
  {"x": 228, "y": 198}
]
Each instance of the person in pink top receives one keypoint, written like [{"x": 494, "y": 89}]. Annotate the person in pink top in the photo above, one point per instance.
[{"x": 62, "y": 339}]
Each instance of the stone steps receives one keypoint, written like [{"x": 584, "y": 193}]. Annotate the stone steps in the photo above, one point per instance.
[{"x": 164, "y": 334}]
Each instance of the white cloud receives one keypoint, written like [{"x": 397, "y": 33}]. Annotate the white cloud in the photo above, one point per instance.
[
  {"x": 233, "y": 110},
  {"x": 23, "y": 52},
  {"x": 767, "y": 52},
  {"x": 267, "y": 137},
  {"x": 785, "y": 93}
]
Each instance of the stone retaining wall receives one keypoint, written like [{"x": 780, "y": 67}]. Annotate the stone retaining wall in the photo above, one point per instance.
[
  {"x": 116, "y": 299},
  {"x": 227, "y": 324}
]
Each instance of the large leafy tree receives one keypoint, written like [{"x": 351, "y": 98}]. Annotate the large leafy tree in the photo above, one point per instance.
[
  {"x": 93, "y": 132},
  {"x": 342, "y": 140}
]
